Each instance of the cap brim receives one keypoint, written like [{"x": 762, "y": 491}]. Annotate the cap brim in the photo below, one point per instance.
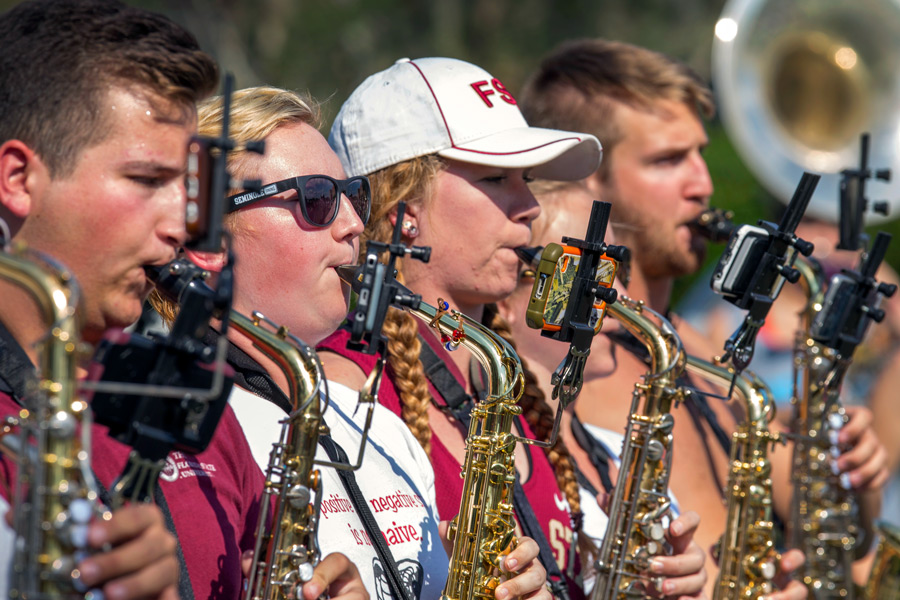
[{"x": 550, "y": 153}]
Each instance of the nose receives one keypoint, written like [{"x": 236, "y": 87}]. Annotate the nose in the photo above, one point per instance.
[
  {"x": 171, "y": 227},
  {"x": 525, "y": 209},
  {"x": 700, "y": 186},
  {"x": 347, "y": 225}
]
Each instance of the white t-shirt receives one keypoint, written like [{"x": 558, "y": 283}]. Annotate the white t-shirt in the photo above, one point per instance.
[{"x": 396, "y": 479}]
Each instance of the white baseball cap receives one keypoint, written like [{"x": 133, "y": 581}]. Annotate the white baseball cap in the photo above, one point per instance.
[{"x": 454, "y": 109}]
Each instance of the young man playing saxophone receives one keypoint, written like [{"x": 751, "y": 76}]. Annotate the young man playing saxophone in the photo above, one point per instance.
[
  {"x": 646, "y": 109},
  {"x": 97, "y": 104}
]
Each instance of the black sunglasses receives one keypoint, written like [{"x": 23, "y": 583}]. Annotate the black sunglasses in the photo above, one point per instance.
[{"x": 318, "y": 195}]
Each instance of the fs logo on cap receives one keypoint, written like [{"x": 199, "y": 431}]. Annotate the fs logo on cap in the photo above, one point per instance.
[{"x": 498, "y": 88}]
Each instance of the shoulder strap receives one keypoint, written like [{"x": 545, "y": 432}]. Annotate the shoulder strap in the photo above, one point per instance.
[
  {"x": 250, "y": 375},
  {"x": 443, "y": 380},
  {"x": 597, "y": 452},
  {"x": 185, "y": 589},
  {"x": 698, "y": 405},
  {"x": 395, "y": 581}
]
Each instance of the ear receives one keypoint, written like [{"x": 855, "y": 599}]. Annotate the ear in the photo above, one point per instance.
[
  {"x": 411, "y": 215},
  {"x": 20, "y": 172},
  {"x": 594, "y": 184},
  {"x": 210, "y": 261}
]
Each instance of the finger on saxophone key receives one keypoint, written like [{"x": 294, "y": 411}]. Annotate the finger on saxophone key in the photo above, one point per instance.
[
  {"x": 140, "y": 562},
  {"x": 528, "y": 576}
]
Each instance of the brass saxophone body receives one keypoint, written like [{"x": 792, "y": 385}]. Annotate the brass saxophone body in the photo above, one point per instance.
[
  {"x": 824, "y": 509},
  {"x": 884, "y": 580},
  {"x": 640, "y": 506},
  {"x": 746, "y": 552},
  {"x": 287, "y": 550},
  {"x": 484, "y": 529},
  {"x": 56, "y": 494}
]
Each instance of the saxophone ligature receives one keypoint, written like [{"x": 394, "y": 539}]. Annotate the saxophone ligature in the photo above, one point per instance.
[
  {"x": 746, "y": 553},
  {"x": 640, "y": 506},
  {"x": 56, "y": 495}
]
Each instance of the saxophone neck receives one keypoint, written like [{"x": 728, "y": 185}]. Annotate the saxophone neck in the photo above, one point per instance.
[
  {"x": 298, "y": 362},
  {"x": 496, "y": 356},
  {"x": 752, "y": 391},
  {"x": 812, "y": 282},
  {"x": 654, "y": 331},
  {"x": 56, "y": 294}
]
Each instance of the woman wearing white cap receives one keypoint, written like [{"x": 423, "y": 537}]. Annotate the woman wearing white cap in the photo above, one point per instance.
[{"x": 447, "y": 137}]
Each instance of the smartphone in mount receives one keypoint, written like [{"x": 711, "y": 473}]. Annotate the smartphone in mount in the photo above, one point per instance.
[
  {"x": 737, "y": 265},
  {"x": 553, "y": 286}
]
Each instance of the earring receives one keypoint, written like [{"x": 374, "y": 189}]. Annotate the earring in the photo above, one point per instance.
[{"x": 410, "y": 230}]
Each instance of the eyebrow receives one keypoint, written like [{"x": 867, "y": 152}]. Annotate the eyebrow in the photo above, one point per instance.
[{"x": 152, "y": 167}]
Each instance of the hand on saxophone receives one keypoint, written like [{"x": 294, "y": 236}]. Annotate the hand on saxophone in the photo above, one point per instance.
[
  {"x": 684, "y": 570},
  {"x": 337, "y": 575},
  {"x": 530, "y": 579},
  {"x": 141, "y": 562},
  {"x": 865, "y": 462},
  {"x": 789, "y": 589}
]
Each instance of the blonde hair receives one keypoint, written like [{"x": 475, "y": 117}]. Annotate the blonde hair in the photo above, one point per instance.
[
  {"x": 255, "y": 113},
  {"x": 579, "y": 86},
  {"x": 411, "y": 181}
]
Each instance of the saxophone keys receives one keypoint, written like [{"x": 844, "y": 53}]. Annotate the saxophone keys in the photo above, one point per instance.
[
  {"x": 299, "y": 496},
  {"x": 305, "y": 572},
  {"x": 767, "y": 570}
]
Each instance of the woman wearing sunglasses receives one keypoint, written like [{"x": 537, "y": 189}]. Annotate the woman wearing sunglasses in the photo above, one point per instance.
[
  {"x": 288, "y": 237},
  {"x": 447, "y": 137}
]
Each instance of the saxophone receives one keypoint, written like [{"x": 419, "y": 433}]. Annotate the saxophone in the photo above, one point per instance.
[
  {"x": 639, "y": 509},
  {"x": 55, "y": 494},
  {"x": 484, "y": 529},
  {"x": 884, "y": 580},
  {"x": 746, "y": 552},
  {"x": 824, "y": 509},
  {"x": 287, "y": 551}
]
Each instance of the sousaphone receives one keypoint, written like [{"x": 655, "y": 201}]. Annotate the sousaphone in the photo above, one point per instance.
[{"x": 798, "y": 81}]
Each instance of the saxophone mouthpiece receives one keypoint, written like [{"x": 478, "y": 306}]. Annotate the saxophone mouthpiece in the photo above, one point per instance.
[
  {"x": 530, "y": 255},
  {"x": 351, "y": 275},
  {"x": 714, "y": 224},
  {"x": 154, "y": 272}
]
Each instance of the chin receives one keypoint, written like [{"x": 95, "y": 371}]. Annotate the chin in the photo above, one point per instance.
[{"x": 127, "y": 312}]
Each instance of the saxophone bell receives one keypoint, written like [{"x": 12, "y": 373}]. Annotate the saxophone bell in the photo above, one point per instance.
[{"x": 884, "y": 580}]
